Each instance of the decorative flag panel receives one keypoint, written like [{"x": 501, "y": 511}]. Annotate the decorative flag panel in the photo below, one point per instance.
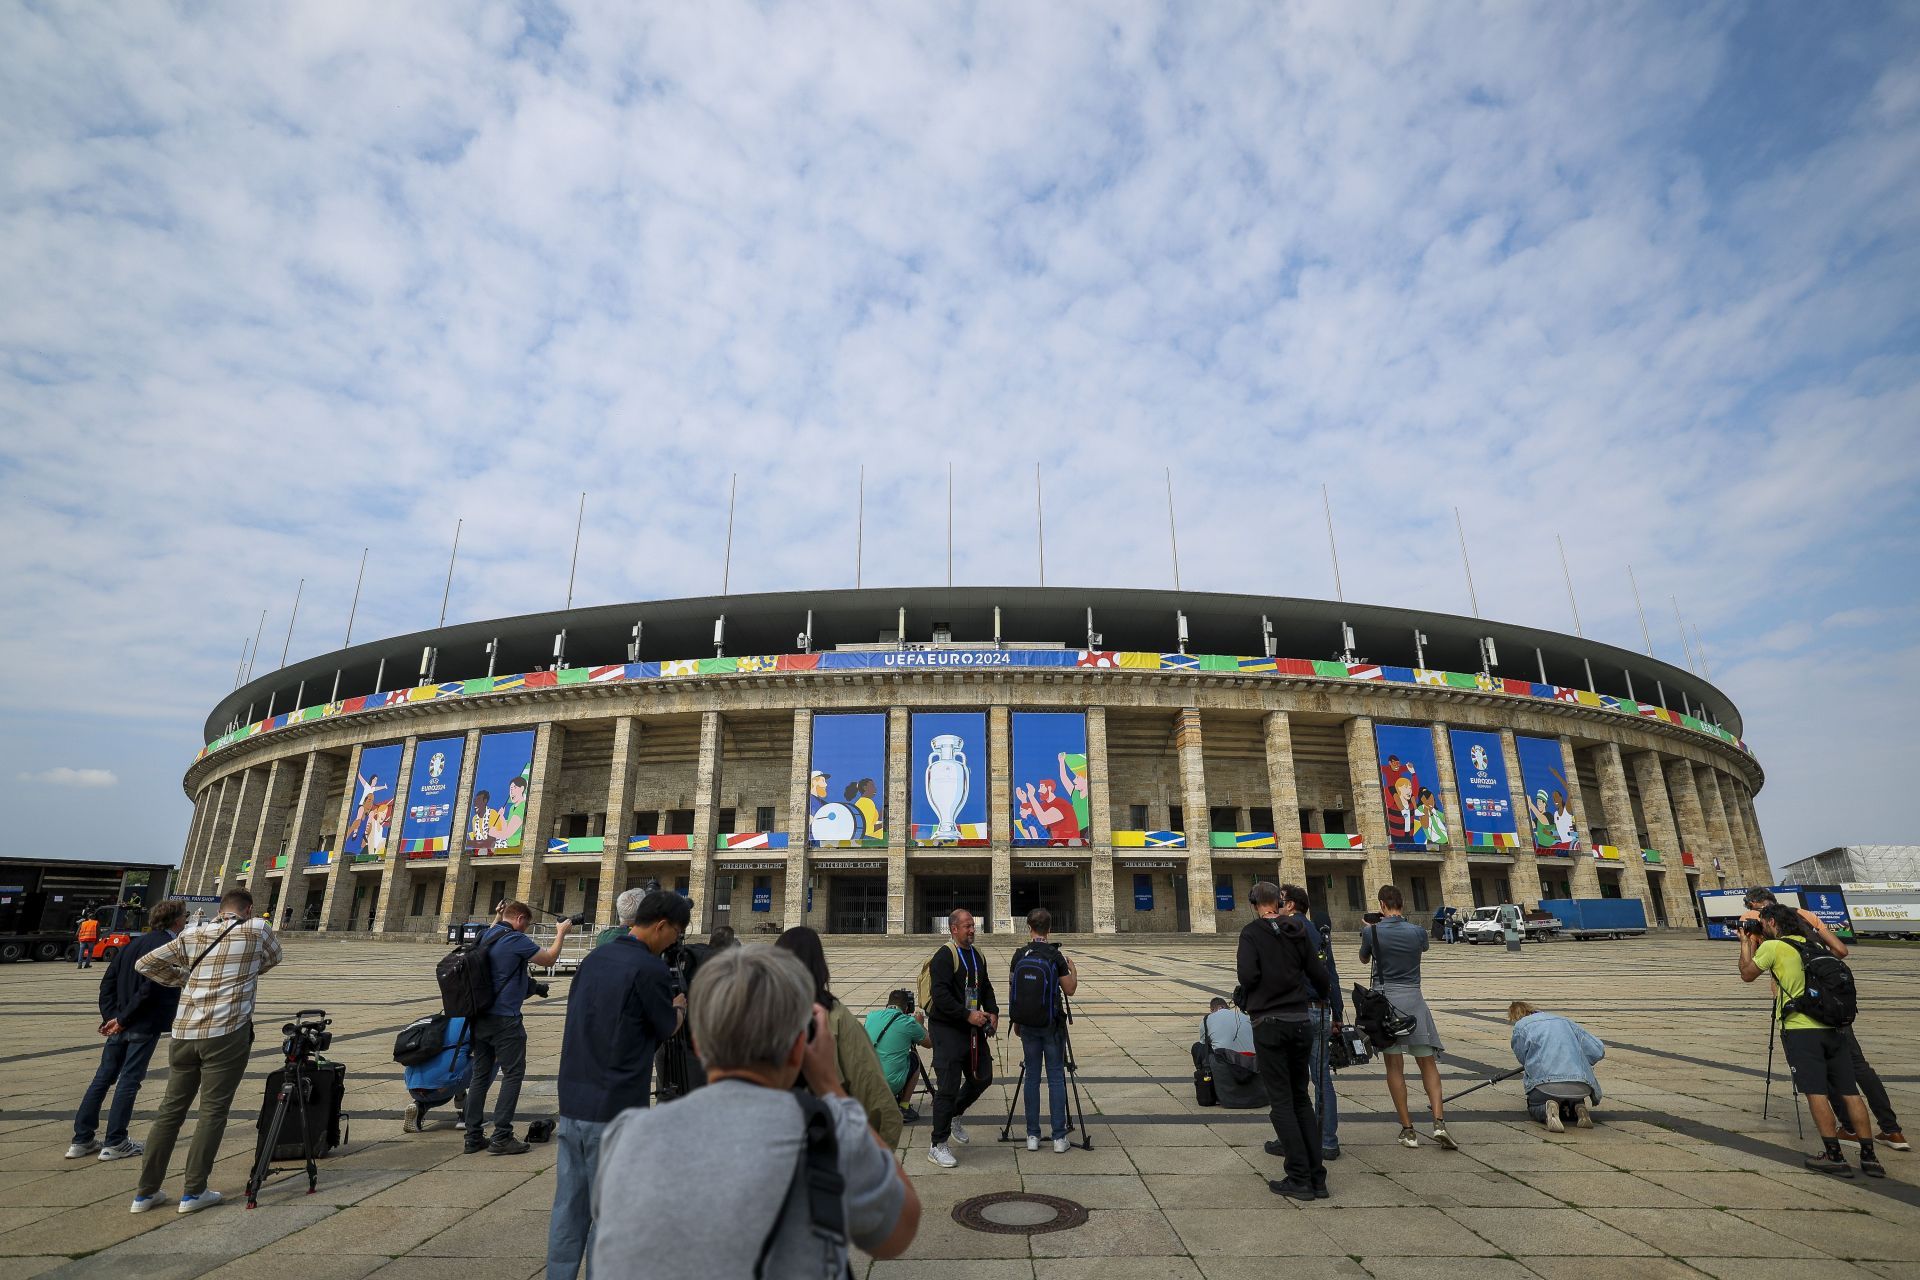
[
  {"x": 1480, "y": 772},
  {"x": 1050, "y": 804},
  {"x": 371, "y": 829},
  {"x": 430, "y": 794},
  {"x": 1410, "y": 787},
  {"x": 497, "y": 814},
  {"x": 948, "y": 784},
  {"x": 1544, "y": 780},
  {"x": 847, "y": 788}
]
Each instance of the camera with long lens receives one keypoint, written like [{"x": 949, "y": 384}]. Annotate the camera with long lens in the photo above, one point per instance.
[
  {"x": 307, "y": 1035},
  {"x": 1753, "y": 927},
  {"x": 541, "y": 989}
]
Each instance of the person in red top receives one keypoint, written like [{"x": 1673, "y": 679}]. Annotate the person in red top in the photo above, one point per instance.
[
  {"x": 1054, "y": 813},
  {"x": 89, "y": 934}
]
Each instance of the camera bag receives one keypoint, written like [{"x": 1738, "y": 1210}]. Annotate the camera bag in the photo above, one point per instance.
[
  {"x": 1828, "y": 997},
  {"x": 421, "y": 1041},
  {"x": 465, "y": 975},
  {"x": 1203, "y": 1090},
  {"x": 326, "y": 1091},
  {"x": 1035, "y": 983}
]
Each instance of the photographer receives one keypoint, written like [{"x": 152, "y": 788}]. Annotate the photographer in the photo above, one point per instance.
[
  {"x": 499, "y": 1033},
  {"x": 134, "y": 1010},
  {"x": 1280, "y": 975},
  {"x": 620, "y": 1008},
  {"x": 1039, "y": 975},
  {"x": 854, "y": 1056},
  {"x": 1328, "y": 1013},
  {"x": 1557, "y": 1057},
  {"x": 1816, "y": 1053},
  {"x": 749, "y": 1212},
  {"x": 963, "y": 1015},
  {"x": 894, "y": 1030},
  {"x": 1394, "y": 944},
  {"x": 217, "y": 966}
]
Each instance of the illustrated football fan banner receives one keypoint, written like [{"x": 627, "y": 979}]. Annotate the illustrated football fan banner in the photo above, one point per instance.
[
  {"x": 1410, "y": 787},
  {"x": 497, "y": 814},
  {"x": 949, "y": 778},
  {"x": 1050, "y": 805},
  {"x": 428, "y": 827},
  {"x": 847, "y": 790},
  {"x": 1486, "y": 796},
  {"x": 370, "y": 830},
  {"x": 1543, "y": 779}
]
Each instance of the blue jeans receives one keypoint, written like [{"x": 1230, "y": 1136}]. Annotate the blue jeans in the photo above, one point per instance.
[
  {"x": 570, "y": 1231},
  {"x": 1049, "y": 1048},
  {"x": 1324, "y": 1100},
  {"x": 124, "y": 1058}
]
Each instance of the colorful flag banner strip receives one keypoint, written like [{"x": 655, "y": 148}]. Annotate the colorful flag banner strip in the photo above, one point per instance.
[
  {"x": 1149, "y": 839},
  {"x": 1331, "y": 842},
  {"x": 1606, "y": 853},
  {"x": 1495, "y": 840},
  {"x": 1244, "y": 840},
  {"x": 1650, "y": 855},
  {"x": 577, "y": 844},
  {"x": 660, "y": 844},
  {"x": 750, "y": 840}
]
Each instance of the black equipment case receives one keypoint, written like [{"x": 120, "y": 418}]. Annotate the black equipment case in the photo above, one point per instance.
[{"x": 326, "y": 1089}]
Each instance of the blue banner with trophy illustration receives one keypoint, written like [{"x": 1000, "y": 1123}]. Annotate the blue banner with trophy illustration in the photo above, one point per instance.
[
  {"x": 948, "y": 781},
  {"x": 1410, "y": 787},
  {"x": 1548, "y": 796},
  {"x": 428, "y": 828},
  {"x": 497, "y": 815},
  {"x": 370, "y": 831},
  {"x": 847, "y": 788},
  {"x": 1050, "y": 803},
  {"x": 1480, "y": 773}
]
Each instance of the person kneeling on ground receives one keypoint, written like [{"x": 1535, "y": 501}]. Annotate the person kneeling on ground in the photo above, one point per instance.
[
  {"x": 1556, "y": 1056},
  {"x": 1230, "y": 1060},
  {"x": 758, "y": 1030},
  {"x": 894, "y": 1030}
]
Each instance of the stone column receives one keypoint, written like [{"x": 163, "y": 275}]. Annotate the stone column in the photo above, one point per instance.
[
  {"x": 193, "y": 862},
  {"x": 303, "y": 828},
  {"x": 1743, "y": 801},
  {"x": 339, "y": 899},
  {"x": 1690, "y": 817},
  {"x": 1456, "y": 873},
  {"x": 460, "y": 869},
  {"x": 1526, "y": 863},
  {"x": 202, "y": 806},
  {"x": 1619, "y": 804},
  {"x": 396, "y": 877},
  {"x": 1661, "y": 829},
  {"x": 268, "y": 834},
  {"x": 1284, "y": 795},
  {"x": 1193, "y": 799},
  {"x": 543, "y": 775},
  {"x": 899, "y": 818},
  {"x": 799, "y": 773},
  {"x": 1744, "y": 847},
  {"x": 1369, "y": 813},
  {"x": 1586, "y": 877},
  {"x": 242, "y": 826},
  {"x": 706, "y": 816},
  {"x": 1100, "y": 867},
  {"x": 1711, "y": 800},
  {"x": 1000, "y": 816},
  {"x": 621, "y": 774}
]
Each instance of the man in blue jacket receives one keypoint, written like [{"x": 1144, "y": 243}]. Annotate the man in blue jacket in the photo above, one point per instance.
[
  {"x": 1556, "y": 1056},
  {"x": 134, "y": 1010}
]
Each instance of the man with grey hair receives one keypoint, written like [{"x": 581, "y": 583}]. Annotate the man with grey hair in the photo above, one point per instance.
[
  {"x": 758, "y": 1030},
  {"x": 625, "y": 907}
]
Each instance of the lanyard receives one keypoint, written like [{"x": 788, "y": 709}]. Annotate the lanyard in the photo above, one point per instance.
[{"x": 972, "y": 966}]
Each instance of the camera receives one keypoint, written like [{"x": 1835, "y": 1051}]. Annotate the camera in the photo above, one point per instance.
[
  {"x": 901, "y": 999},
  {"x": 540, "y": 988},
  {"x": 307, "y": 1035},
  {"x": 1753, "y": 927}
]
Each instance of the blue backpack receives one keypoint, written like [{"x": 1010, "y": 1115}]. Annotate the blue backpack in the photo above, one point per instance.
[
  {"x": 1034, "y": 997},
  {"x": 446, "y": 1072}
]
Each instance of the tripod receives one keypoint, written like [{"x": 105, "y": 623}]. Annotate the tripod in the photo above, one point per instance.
[
  {"x": 294, "y": 1083},
  {"x": 1075, "y": 1107},
  {"x": 1766, "y": 1100}
]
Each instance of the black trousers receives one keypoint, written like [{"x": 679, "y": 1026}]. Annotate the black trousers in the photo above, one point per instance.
[
  {"x": 502, "y": 1043},
  {"x": 1869, "y": 1081},
  {"x": 962, "y": 1069},
  {"x": 1284, "y": 1051}
]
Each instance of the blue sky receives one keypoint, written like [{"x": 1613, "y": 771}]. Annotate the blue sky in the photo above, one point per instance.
[{"x": 284, "y": 283}]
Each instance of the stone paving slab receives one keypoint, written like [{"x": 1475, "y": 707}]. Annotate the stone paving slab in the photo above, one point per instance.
[{"x": 1683, "y": 1178}]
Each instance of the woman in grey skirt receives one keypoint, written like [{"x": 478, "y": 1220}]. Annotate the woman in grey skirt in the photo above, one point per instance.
[{"x": 1393, "y": 947}]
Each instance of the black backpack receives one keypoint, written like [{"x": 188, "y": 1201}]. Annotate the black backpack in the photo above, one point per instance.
[
  {"x": 1829, "y": 997},
  {"x": 421, "y": 1041},
  {"x": 1035, "y": 985},
  {"x": 465, "y": 975}
]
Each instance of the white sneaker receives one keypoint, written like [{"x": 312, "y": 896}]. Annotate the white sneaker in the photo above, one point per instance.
[
  {"x": 143, "y": 1203},
  {"x": 1033, "y": 1142},
  {"x": 121, "y": 1151},
  {"x": 941, "y": 1156},
  {"x": 1059, "y": 1146},
  {"x": 81, "y": 1150},
  {"x": 1408, "y": 1138},
  {"x": 205, "y": 1200},
  {"x": 410, "y": 1118},
  {"x": 1554, "y": 1123},
  {"x": 959, "y": 1133},
  {"x": 1582, "y": 1117},
  {"x": 1445, "y": 1139}
]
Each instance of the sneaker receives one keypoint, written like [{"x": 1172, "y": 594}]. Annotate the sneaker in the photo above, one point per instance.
[
  {"x": 959, "y": 1133},
  {"x": 1329, "y": 1153},
  {"x": 1290, "y": 1189},
  {"x": 81, "y": 1150},
  {"x": 1445, "y": 1139},
  {"x": 1554, "y": 1123},
  {"x": 205, "y": 1200},
  {"x": 460, "y": 1126},
  {"x": 1320, "y": 1191},
  {"x": 1059, "y": 1146},
  {"x": 1872, "y": 1167},
  {"x": 143, "y": 1203},
  {"x": 1408, "y": 1138},
  {"x": 1274, "y": 1148},
  {"x": 1583, "y": 1113},
  {"x": 909, "y": 1116},
  {"x": 1892, "y": 1138},
  {"x": 1033, "y": 1142},
  {"x": 410, "y": 1118},
  {"x": 1846, "y": 1134},
  {"x": 1833, "y": 1166},
  {"x": 472, "y": 1148},
  {"x": 122, "y": 1150},
  {"x": 507, "y": 1146},
  {"x": 938, "y": 1154}
]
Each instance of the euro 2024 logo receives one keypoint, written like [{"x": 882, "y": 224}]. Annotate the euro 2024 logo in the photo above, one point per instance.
[
  {"x": 1478, "y": 754},
  {"x": 436, "y": 765}
]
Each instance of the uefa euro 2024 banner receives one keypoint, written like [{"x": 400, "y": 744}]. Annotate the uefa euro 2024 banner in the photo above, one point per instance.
[
  {"x": 1480, "y": 772},
  {"x": 1544, "y": 781},
  {"x": 847, "y": 790},
  {"x": 502, "y": 772},
  {"x": 949, "y": 778},
  {"x": 1050, "y": 805},
  {"x": 370, "y": 831},
  {"x": 430, "y": 789},
  {"x": 1410, "y": 787}
]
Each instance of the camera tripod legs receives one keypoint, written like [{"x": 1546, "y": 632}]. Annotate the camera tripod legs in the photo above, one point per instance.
[
  {"x": 1076, "y": 1107},
  {"x": 293, "y": 1084}
]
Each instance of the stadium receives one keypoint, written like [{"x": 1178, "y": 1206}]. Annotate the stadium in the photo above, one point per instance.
[{"x": 864, "y": 761}]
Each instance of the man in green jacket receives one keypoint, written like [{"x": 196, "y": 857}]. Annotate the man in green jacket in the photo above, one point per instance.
[{"x": 894, "y": 1030}]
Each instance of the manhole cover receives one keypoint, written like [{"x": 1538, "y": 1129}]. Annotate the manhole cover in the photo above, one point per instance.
[{"x": 1019, "y": 1213}]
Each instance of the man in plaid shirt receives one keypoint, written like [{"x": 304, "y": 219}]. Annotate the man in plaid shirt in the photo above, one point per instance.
[{"x": 217, "y": 966}]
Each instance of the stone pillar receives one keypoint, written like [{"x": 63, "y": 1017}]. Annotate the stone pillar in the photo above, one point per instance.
[
  {"x": 1193, "y": 799},
  {"x": 1738, "y": 872},
  {"x": 339, "y": 898},
  {"x": 1690, "y": 817},
  {"x": 1744, "y": 846},
  {"x": 621, "y": 773},
  {"x": 242, "y": 826},
  {"x": 899, "y": 818},
  {"x": 1657, "y": 805},
  {"x": 390, "y": 913},
  {"x": 799, "y": 773},
  {"x": 1586, "y": 877},
  {"x": 1456, "y": 875},
  {"x": 1284, "y": 795},
  {"x": 1370, "y": 814},
  {"x": 202, "y": 806},
  {"x": 706, "y": 817},
  {"x": 1619, "y": 804},
  {"x": 1743, "y": 801},
  {"x": 303, "y": 828},
  {"x": 1100, "y": 868},
  {"x": 269, "y": 834},
  {"x": 1526, "y": 863},
  {"x": 193, "y": 865},
  {"x": 1000, "y": 817},
  {"x": 549, "y": 748},
  {"x": 460, "y": 868}
]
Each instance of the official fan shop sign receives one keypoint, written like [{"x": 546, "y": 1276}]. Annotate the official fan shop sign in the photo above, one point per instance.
[
  {"x": 1143, "y": 892},
  {"x": 1480, "y": 772},
  {"x": 763, "y": 897}
]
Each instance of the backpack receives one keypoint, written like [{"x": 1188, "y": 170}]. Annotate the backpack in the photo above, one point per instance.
[
  {"x": 421, "y": 1040},
  {"x": 446, "y": 1072},
  {"x": 465, "y": 975},
  {"x": 923, "y": 989},
  {"x": 1829, "y": 997},
  {"x": 1035, "y": 985}
]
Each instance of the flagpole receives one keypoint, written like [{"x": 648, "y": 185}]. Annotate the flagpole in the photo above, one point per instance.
[
  {"x": 1700, "y": 647},
  {"x": 355, "y": 607},
  {"x": 448, "y": 591},
  {"x": 860, "y": 529},
  {"x": 726, "y": 567},
  {"x": 256, "y": 643},
  {"x": 1472, "y": 596},
  {"x": 1173, "y": 532},
  {"x": 1040, "y": 522},
  {"x": 1569, "y": 577},
  {"x": 949, "y": 526},
  {"x": 1333, "y": 548},
  {"x": 578, "y": 520},
  {"x": 1686, "y": 645},
  {"x": 1645, "y": 633},
  {"x": 240, "y": 670},
  {"x": 290, "y": 620}
]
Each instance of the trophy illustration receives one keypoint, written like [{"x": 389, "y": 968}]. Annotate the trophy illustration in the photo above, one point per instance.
[{"x": 946, "y": 783}]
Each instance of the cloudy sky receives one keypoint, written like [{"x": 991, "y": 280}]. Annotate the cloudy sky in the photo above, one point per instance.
[{"x": 284, "y": 281}]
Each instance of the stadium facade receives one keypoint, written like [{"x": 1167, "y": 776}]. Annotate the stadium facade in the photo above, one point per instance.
[{"x": 864, "y": 761}]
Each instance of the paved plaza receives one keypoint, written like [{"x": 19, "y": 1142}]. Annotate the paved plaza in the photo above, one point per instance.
[{"x": 1681, "y": 1178}]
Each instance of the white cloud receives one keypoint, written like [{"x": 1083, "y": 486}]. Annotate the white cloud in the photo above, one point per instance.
[{"x": 62, "y": 776}]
